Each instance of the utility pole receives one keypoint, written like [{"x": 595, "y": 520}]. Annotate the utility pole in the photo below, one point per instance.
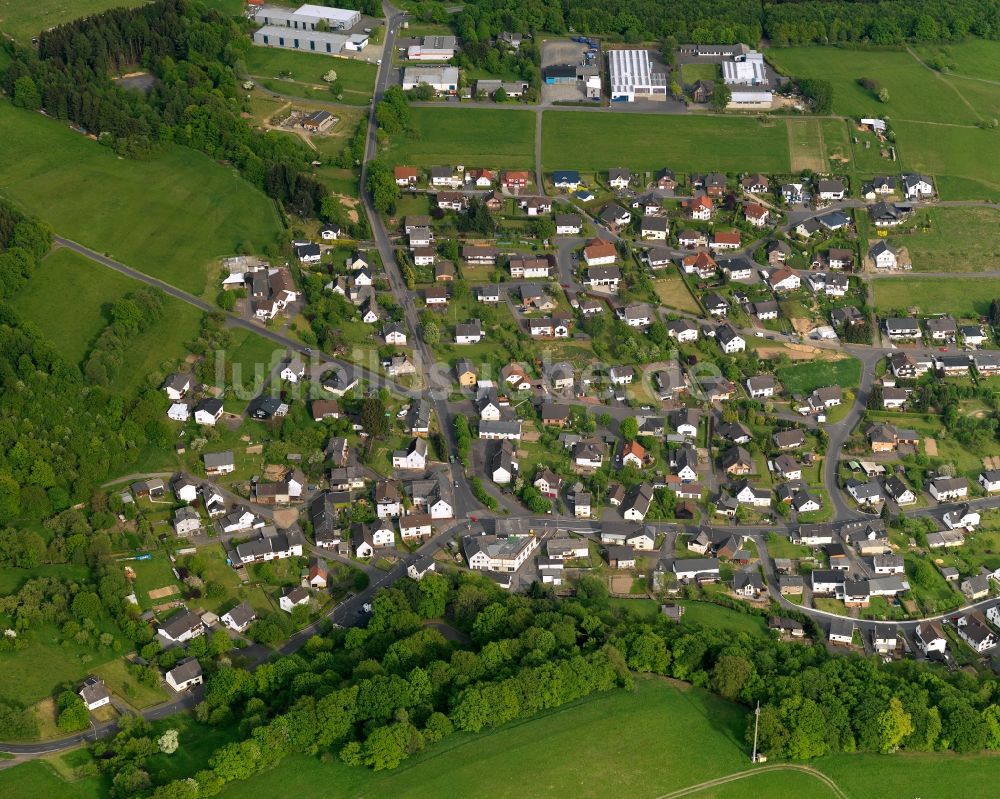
[{"x": 756, "y": 722}]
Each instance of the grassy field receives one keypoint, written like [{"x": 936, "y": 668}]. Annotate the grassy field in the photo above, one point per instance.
[
  {"x": 596, "y": 748},
  {"x": 69, "y": 297},
  {"x": 594, "y": 142},
  {"x": 955, "y": 152},
  {"x": 957, "y": 240},
  {"x": 169, "y": 216},
  {"x": 915, "y": 93},
  {"x": 836, "y": 140},
  {"x": 976, "y": 58},
  {"x": 27, "y": 680},
  {"x": 802, "y": 378},
  {"x": 23, "y": 19},
  {"x": 72, "y": 317},
  {"x": 472, "y": 137},
  {"x": 963, "y": 297},
  {"x": 302, "y": 74}
]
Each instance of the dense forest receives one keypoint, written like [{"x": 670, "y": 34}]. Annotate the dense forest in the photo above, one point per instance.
[
  {"x": 375, "y": 696},
  {"x": 706, "y": 21},
  {"x": 195, "y": 55}
]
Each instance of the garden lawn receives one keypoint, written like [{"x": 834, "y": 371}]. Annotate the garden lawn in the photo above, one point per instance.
[
  {"x": 169, "y": 216},
  {"x": 69, "y": 297},
  {"x": 915, "y": 93},
  {"x": 595, "y": 142},
  {"x": 153, "y": 574},
  {"x": 803, "y": 378},
  {"x": 116, "y": 675},
  {"x": 711, "y": 615},
  {"x": 963, "y": 297},
  {"x": 470, "y": 136},
  {"x": 306, "y": 72},
  {"x": 692, "y": 73},
  {"x": 957, "y": 240},
  {"x": 674, "y": 293},
  {"x": 24, "y": 19}
]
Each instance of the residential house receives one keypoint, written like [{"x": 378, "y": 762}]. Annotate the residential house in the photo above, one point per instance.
[
  {"x": 414, "y": 457},
  {"x": 975, "y": 632},
  {"x": 883, "y": 256},
  {"x": 292, "y": 598},
  {"x": 600, "y": 252},
  {"x": 208, "y": 411},
  {"x": 493, "y": 553},
  {"x": 729, "y": 340},
  {"x": 619, "y": 179},
  {"x": 691, "y": 239},
  {"x": 948, "y": 489},
  {"x": 94, "y": 693},
  {"x": 181, "y": 627},
  {"x": 503, "y": 466},
  {"x": 898, "y": 491},
  {"x": 239, "y": 618},
  {"x": 761, "y": 386},
  {"x": 831, "y": 189},
  {"x": 756, "y": 214},
  {"x": 219, "y": 463},
  {"x": 789, "y": 439},
  {"x": 701, "y": 208},
  {"x": 930, "y": 638},
  {"x": 414, "y": 526},
  {"x": 186, "y": 674}
]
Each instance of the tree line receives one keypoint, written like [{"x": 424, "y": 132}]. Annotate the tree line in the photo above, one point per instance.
[
  {"x": 882, "y": 22},
  {"x": 195, "y": 55},
  {"x": 377, "y": 695}
]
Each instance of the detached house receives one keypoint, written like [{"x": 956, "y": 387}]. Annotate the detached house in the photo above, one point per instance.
[
  {"x": 829, "y": 189},
  {"x": 599, "y": 252},
  {"x": 701, "y": 208}
]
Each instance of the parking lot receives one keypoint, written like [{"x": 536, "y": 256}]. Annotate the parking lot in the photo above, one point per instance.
[{"x": 565, "y": 52}]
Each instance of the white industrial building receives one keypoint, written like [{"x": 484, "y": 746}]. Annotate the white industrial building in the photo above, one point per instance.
[
  {"x": 632, "y": 76},
  {"x": 444, "y": 80},
  {"x": 307, "y": 40},
  {"x": 746, "y": 75},
  {"x": 432, "y": 48},
  {"x": 307, "y": 17},
  {"x": 747, "y": 69}
]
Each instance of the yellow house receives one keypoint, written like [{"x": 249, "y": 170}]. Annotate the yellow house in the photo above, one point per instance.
[{"x": 466, "y": 373}]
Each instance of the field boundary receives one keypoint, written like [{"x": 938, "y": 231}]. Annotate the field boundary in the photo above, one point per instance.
[{"x": 740, "y": 775}]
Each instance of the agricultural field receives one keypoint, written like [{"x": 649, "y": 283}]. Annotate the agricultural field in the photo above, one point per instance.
[
  {"x": 23, "y": 19},
  {"x": 300, "y": 74},
  {"x": 595, "y": 142},
  {"x": 915, "y": 93},
  {"x": 963, "y": 297},
  {"x": 806, "y": 146},
  {"x": 803, "y": 378},
  {"x": 468, "y": 136},
  {"x": 955, "y": 240},
  {"x": 202, "y": 210},
  {"x": 72, "y": 317}
]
